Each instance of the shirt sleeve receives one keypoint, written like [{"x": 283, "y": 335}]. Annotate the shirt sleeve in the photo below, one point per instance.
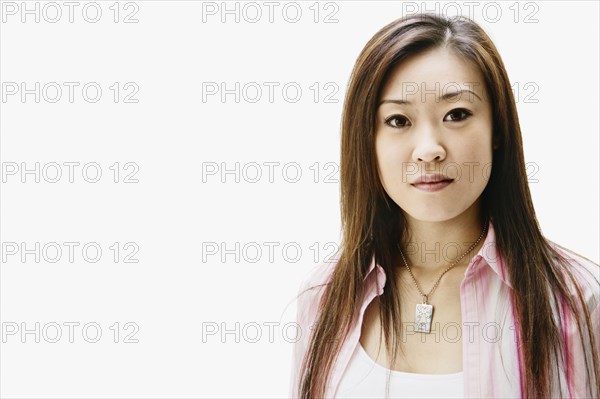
[
  {"x": 305, "y": 315},
  {"x": 308, "y": 301}
]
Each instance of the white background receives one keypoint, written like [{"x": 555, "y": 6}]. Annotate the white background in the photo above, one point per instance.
[{"x": 171, "y": 134}]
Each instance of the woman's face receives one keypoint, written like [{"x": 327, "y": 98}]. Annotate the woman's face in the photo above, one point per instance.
[{"x": 425, "y": 126}]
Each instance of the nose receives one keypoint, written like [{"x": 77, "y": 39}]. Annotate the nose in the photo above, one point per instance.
[{"x": 428, "y": 147}]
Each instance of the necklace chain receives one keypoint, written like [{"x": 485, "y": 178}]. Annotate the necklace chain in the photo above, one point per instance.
[{"x": 425, "y": 296}]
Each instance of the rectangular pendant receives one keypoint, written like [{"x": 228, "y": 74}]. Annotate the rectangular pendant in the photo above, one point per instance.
[{"x": 423, "y": 316}]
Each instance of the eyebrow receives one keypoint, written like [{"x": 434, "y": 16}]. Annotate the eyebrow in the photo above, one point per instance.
[{"x": 443, "y": 98}]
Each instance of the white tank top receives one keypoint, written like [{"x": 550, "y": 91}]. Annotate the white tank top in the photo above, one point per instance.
[{"x": 365, "y": 378}]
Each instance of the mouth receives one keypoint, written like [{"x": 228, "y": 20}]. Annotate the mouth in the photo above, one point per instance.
[{"x": 433, "y": 186}]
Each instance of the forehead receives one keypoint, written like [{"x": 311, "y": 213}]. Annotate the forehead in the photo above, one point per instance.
[{"x": 439, "y": 69}]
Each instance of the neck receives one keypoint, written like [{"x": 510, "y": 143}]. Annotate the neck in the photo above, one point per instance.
[{"x": 433, "y": 246}]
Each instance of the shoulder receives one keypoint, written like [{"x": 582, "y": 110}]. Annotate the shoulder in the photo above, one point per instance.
[
  {"x": 311, "y": 291},
  {"x": 587, "y": 276},
  {"x": 585, "y": 272},
  {"x": 308, "y": 300}
]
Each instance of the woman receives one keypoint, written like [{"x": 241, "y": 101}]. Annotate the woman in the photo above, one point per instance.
[{"x": 445, "y": 285}]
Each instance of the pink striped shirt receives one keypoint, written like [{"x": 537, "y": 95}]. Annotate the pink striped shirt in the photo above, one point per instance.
[{"x": 491, "y": 364}]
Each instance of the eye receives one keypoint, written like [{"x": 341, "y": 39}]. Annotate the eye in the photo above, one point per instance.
[
  {"x": 458, "y": 115},
  {"x": 397, "y": 121}
]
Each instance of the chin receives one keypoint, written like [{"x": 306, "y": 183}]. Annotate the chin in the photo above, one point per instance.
[
  {"x": 434, "y": 219},
  {"x": 427, "y": 215}
]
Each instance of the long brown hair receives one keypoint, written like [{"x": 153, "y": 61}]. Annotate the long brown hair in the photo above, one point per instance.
[{"x": 372, "y": 222}]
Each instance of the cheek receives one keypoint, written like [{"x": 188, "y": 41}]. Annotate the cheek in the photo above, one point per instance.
[
  {"x": 390, "y": 158},
  {"x": 476, "y": 161}
]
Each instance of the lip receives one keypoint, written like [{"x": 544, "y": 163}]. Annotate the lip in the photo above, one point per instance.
[
  {"x": 432, "y": 183},
  {"x": 437, "y": 186},
  {"x": 431, "y": 178}
]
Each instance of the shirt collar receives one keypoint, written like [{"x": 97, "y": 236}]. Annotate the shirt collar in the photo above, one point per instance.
[
  {"x": 488, "y": 253},
  {"x": 492, "y": 257}
]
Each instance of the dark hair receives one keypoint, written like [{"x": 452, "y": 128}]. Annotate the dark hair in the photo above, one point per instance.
[{"x": 373, "y": 223}]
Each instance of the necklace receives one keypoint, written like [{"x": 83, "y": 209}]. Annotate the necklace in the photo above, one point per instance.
[{"x": 424, "y": 311}]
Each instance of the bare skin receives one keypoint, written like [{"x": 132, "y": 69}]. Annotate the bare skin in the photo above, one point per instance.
[
  {"x": 433, "y": 134},
  {"x": 439, "y": 352}
]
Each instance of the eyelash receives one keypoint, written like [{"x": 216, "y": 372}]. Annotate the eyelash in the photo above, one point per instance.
[{"x": 465, "y": 111}]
